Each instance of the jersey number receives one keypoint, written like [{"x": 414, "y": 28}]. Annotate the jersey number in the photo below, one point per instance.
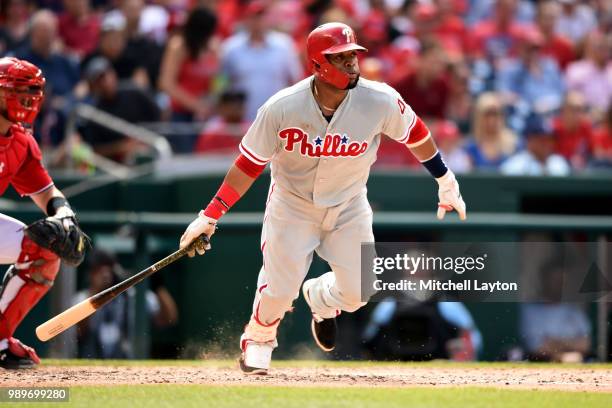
[{"x": 402, "y": 105}]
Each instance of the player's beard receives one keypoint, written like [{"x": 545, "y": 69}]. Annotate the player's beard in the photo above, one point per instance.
[{"x": 352, "y": 83}]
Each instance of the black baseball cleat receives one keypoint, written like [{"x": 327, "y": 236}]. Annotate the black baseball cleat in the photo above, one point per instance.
[
  {"x": 17, "y": 356},
  {"x": 323, "y": 330}
]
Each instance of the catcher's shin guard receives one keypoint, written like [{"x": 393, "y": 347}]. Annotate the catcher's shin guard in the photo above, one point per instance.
[{"x": 25, "y": 283}]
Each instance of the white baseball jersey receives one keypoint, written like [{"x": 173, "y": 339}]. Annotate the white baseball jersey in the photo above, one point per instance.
[{"x": 328, "y": 163}]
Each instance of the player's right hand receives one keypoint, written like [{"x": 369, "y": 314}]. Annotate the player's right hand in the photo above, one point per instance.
[{"x": 201, "y": 225}]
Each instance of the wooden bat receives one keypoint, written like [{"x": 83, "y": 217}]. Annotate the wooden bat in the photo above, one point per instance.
[{"x": 87, "y": 307}]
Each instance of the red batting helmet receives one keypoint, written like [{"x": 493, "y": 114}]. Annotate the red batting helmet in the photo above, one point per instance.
[
  {"x": 330, "y": 38},
  {"x": 22, "y": 84}
]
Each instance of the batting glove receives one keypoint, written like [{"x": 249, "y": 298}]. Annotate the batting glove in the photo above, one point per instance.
[
  {"x": 449, "y": 196},
  {"x": 201, "y": 225}
]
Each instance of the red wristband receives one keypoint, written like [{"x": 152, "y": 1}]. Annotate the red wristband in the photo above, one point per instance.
[{"x": 225, "y": 198}]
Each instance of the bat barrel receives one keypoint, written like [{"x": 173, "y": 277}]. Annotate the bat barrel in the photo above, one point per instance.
[
  {"x": 65, "y": 320},
  {"x": 82, "y": 310}
]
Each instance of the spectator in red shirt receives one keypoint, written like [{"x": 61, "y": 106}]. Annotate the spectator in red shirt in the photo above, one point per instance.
[
  {"x": 375, "y": 28},
  {"x": 426, "y": 89},
  {"x": 188, "y": 68},
  {"x": 555, "y": 45},
  {"x": 223, "y": 132},
  {"x": 79, "y": 28},
  {"x": 438, "y": 20},
  {"x": 498, "y": 37},
  {"x": 601, "y": 143},
  {"x": 573, "y": 130}
]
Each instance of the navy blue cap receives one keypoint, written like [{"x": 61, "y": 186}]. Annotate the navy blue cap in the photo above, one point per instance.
[{"x": 537, "y": 126}]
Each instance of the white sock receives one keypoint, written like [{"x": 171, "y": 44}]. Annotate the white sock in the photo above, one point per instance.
[{"x": 3, "y": 344}]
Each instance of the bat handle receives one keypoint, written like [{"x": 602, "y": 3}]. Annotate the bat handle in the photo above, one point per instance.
[{"x": 200, "y": 243}]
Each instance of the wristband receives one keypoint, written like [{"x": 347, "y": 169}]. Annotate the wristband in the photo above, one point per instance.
[
  {"x": 225, "y": 198},
  {"x": 435, "y": 165},
  {"x": 55, "y": 203},
  {"x": 249, "y": 167}
]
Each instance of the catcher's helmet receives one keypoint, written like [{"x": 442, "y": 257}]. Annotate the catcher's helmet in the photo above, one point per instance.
[
  {"x": 330, "y": 38},
  {"x": 22, "y": 84}
]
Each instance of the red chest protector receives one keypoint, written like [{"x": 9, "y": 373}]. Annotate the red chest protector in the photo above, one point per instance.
[{"x": 20, "y": 162}]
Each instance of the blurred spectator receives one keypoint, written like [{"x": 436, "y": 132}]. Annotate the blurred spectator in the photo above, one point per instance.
[
  {"x": 603, "y": 11},
  {"x": 259, "y": 61},
  {"x": 144, "y": 20},
  {"x": 555, "y": 331},
  {"x": 426, "y": 89},
  {"x": 13, "y": 25},
  {"x": 222, "y": 133},
  {"x": 439, "y": 21},
  {"x": 538, "y": 158},
  {"x": 389, "y": 156},
  {"x": 187, "y": 73},
  {"x": 415, "y": 331},
  {"x": 106, "y": 333},
  {"x": 532, "y": 79},
  {"x": 61, "y": 72},
  {"x": 79, "y": 27},
  {"x": 573, "y": 130},
  {"x": 555, "y": 45},
  {"x": 592, "y": 75},
  {"x": 491, "y": 141},
  {"x": 375, "y": 28},
  {"x": 576, "y": 20},
  {"x": 141, "y": 21},
  {"x": 480, "y": 10},
  {"x": 449, "y": 141},
  {"x": 113, "y": 47},
  {"x": 497, "y": 37},
  {"x": 122, "y": 100},
  {"x": 601, "y": 143},
  {"x": 371, "y": 68},
  {"x": 460, "y": 100}
]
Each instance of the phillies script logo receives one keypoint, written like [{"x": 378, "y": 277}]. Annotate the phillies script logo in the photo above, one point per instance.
[{"x": 331, "y": 146}]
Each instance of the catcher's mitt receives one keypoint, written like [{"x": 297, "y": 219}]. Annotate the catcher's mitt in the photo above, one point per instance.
[{"x": 70, "y": 245}]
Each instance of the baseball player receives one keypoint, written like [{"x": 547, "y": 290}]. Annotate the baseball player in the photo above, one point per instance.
[
  {"x": 34, "y": 267},
  {"x": 321, "y": 137}
]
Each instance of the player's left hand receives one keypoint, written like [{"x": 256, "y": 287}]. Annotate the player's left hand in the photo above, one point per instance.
[
  {"x": 449, "y": 196},
  {"x": 66, "y": 216}
]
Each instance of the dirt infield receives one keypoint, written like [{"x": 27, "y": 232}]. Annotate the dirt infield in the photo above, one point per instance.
[{"x": 580, "y": 378}]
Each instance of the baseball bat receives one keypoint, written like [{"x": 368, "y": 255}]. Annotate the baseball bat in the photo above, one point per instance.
[{"x": 87, "y": 307}]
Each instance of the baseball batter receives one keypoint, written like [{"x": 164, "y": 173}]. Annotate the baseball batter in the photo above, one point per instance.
[
  {"x": 33, "y": 267},
  {"x": 320, "y": 136}
]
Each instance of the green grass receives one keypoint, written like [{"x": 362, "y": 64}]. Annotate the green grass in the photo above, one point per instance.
[
  {"x": 330, "y": 397},
  {"x": 320, "y": 364}
]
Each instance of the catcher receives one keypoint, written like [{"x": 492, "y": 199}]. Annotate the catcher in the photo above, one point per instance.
[{"x": 34, "y": 251}]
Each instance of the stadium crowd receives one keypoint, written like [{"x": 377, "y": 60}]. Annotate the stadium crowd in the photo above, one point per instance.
[{"x": 516, "y": 86}]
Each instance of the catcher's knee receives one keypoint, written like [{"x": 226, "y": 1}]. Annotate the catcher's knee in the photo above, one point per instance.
[{"x": 36, "y": 263}]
